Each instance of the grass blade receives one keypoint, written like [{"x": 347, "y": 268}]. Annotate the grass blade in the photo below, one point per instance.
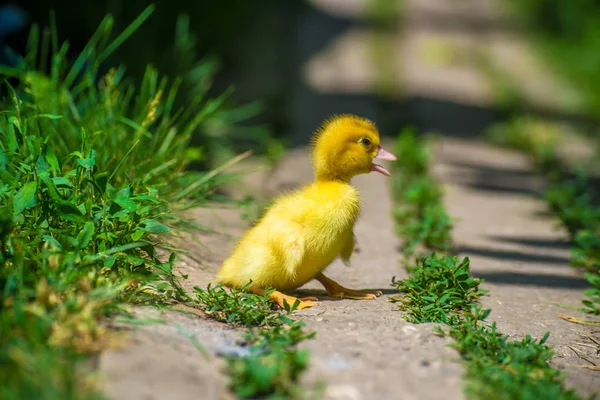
[{"x": 126, "y": 33}]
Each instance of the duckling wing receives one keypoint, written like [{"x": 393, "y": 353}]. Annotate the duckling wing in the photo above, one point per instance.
[
  {"x": 269, "y": 255},
  {"x": 348, "y": 248},
  {"x": 288, "y": 244}
]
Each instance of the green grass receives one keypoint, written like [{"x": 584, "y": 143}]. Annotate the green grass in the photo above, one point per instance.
[
  {"x": 568, "y": 195},
  {"x": 439, "y": 289},
  {"x": 500, "y": 368},
  {"x": 273, "y": 364},
  {"x": 93, "y": 174},
  {"x": 236, "y": 306},
  {"x": 422, "y": 221},
  {"x": 536, "y": 136}
]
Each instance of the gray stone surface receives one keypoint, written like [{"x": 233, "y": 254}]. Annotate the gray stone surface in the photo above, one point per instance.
[
  {"x": 363, "y": 349},
  {"x": 161, "y": 362},
  {"x": 502, "y": 226}
]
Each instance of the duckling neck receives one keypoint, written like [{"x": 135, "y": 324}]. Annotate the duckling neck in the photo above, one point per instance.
[{"x": 329, "y": 177}]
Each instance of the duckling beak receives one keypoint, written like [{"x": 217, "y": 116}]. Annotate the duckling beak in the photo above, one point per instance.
[{"x": 382, "y": 154}]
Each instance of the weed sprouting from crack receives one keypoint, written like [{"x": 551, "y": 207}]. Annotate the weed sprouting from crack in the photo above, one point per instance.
[
  {"x": 439, "y": 289},
  {"x": 273, "y": 364},
  {"x": 237, "y": 306},
  {"x": 500, "y": 368}
]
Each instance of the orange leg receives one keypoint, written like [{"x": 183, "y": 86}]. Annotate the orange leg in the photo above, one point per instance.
[
  {"x": 334, "y": 289},
  {"x": 281, "y": 299}
]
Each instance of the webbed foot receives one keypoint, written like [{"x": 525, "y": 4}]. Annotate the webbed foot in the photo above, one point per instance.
[
  {"x": 304, "y": 302},
  {"x": 334, "y": 289}
]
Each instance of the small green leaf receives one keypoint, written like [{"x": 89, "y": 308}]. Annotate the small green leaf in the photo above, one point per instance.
[
  {"x": 3, "y": 159},
  {"x": 86, "y": 162},
  {"x": 86, "y": 234},
  {"x": 15, "y": 121},
  {"x": 62, "y": 182},
  {"x": 134, "y": 260},
  {"x": 52, "y": 160},
  {"x": 69, "y": 211},
  {"x": 51, "y": 187},
  {"x": 25, "y": 197},
  {"x": 167, "y": 267},
  {"x": 41, "y": 165},
  {"x": 145, "y": 197},
  {"x": 50, "y": 116},
  {"x": 53, "y": 244},
  {"x": 126, "y": 192},
  {"x": 153, "y": 226},
  {"x": 101, "y": 180},
  {"x": 11, "y": 138},
  {"x": 110, "y": 261},
  {"x": 137, "y": 235},
  {"x": 126, "y": 203}
]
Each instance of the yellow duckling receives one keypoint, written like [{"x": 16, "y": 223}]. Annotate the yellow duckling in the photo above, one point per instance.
[{"x": 303, "y": 232}]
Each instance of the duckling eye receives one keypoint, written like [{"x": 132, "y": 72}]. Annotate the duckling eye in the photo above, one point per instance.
[{"x": 365, "y": 142}]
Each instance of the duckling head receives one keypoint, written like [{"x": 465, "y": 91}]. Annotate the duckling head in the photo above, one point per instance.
[{"x": 345, "y": 146}]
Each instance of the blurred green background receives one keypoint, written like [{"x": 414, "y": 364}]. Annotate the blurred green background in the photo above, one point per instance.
[{"x": 263, "y": 49}]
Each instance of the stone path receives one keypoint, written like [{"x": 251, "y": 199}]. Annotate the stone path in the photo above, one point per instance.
[
  {"x": 364, "y": 349},
  {"x": 502, "y": 226}
]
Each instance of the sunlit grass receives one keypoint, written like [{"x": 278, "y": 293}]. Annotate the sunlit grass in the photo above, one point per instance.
[{"x": 93, "y": 174}]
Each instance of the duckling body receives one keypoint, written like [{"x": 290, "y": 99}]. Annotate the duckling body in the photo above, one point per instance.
[
  {"x": 303, "y": 232},
  {"x": 298, "y": 237}
]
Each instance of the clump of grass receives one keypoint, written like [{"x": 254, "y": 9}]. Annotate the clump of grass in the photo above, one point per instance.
[
  {"x": 500, "y": 368},
  {"x": 535, "y": 136},
  {"x": 273, "y": 364},
  {"x": 422, "y": 219},
  {"x": 438, "y": 289},
  {"x": 572, "y": 204},
  {"x": 92, "y": 176},
  {"x": 237, "y": 306},
  {"x": 586, "y": 250}
]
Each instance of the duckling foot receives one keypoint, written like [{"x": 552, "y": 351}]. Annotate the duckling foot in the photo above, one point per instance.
[
  {"x": 281, "y": 299},
  {"x": 304, "y": 302},
  {"x": 334, "y": 289}
]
